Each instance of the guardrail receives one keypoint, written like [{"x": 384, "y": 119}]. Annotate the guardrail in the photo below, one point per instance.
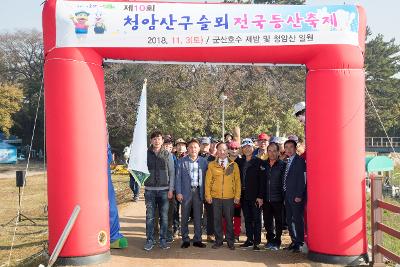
[
  {"x": 377, "y": 227},
  {"x": 382, "y": 141}
]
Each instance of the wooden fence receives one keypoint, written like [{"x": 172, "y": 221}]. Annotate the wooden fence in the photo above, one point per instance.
[{"x": 377, "y": 226}]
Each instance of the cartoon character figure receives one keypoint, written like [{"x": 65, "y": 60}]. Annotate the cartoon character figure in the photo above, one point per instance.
[
  {"x": 80, "y": 21},
  {"x": 99, "y": 26}
]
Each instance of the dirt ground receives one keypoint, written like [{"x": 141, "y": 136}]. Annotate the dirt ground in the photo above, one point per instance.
[
  {"x": 31, "y": 240},
  {"x": 133, "y": 227}
]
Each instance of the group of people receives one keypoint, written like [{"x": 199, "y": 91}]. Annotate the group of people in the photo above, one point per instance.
[
  {"x": 226, "y": 179},
  {"x": 212, "y": 183}
]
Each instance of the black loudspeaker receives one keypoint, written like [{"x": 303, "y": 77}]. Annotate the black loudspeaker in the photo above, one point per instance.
[{"x": 20, "y": 178}]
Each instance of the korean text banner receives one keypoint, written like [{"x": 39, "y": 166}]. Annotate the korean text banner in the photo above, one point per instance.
[{"x": 135, "y": 24}]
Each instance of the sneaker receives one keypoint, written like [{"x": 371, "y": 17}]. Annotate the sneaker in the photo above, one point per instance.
[
  {"x": 296, "y": 249},
  {"x": 290, "y": 247},
  {"x": 247, "y": 244},
  {"x": 199, "y": 244},
  {"x": 175, "y": 235},
  {"x": 185, "y": 245},
  {"x": 231, "y": 246},
  {"x": 149, "y": 245},
  {"x": 164, "y": 245},
  {"x": 275, "y": 247},
  {"x": 255, "y": 247},
  {"x": 135, "y": 198},
  {"x": 119, "y": 243},
  {"x": 216, "y": 246},
  {"x": 269, "y": 245}
]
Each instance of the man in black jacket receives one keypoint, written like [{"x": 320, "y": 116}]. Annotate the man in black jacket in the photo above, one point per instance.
[
  {"x": 272, "y": 172},
  {"x": 294, "y": 189},
  {"x": 251, "y": 194}
]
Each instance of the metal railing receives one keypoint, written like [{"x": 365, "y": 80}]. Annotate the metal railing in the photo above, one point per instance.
[
  {"x": 377, "y": 227},
  {"x": 382, "y": 141}
]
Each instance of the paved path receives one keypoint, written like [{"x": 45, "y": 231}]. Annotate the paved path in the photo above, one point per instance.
[{"x": 133, "y": 227}]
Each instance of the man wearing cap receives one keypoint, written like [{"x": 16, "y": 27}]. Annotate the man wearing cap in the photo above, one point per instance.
[
  {"x": 294, "y": 190},
  {"x": 228, "y": 137},
  {"x": 251, "y": 193},
  {"x": 180, "y": 145},
  {"x": 209, "y": 156},
  {"x": 272, "y": 173},
  {"x": 222, "y": 190},
  {"x": 261, "y": 151},
  {"x": 205, "y": 143},
  {"x": 213, "y": 148},
  {"x": 190, "y": 180},
  {"x": 233, "y": 152},
  {"x": 279, "y": 141},
  {"x": 300, "y": 113}
]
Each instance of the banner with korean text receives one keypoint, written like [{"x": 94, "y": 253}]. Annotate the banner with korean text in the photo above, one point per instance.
[{"x": 137, "y": 24}]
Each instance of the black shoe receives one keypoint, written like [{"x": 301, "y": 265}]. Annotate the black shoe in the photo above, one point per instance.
[
  {"x": 295, "y": 249},
  {"x": 199, "y": 244},
  {"x": 255, "y": 247},
  {"x": 216, "y": 246},
  {"x": 185, "y": 245},
  {"x": 290, "y": 247},
  {"x": 247, "y": 244},
  {"x": 231, "y": 246}
]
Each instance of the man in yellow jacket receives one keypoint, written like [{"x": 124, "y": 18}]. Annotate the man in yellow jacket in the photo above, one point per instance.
[{"x": 222, "y": 190}]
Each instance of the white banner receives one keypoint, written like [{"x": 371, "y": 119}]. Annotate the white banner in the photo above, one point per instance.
[{"x": 136, "y": 24}]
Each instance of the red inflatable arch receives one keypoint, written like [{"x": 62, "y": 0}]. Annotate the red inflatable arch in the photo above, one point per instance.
[{"x": 329, "y": 41}]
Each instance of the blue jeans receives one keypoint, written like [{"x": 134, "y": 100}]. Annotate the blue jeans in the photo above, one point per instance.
[
  {"x": 156, "y": 199},
  {"x": 135, "y": 187}
]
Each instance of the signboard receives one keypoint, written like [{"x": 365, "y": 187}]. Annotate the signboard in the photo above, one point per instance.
[
  {"x": 8, "y": 153},
  {"x": 136, "y": 24}
]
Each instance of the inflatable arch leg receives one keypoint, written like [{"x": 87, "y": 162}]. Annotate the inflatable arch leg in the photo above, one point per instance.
[
  {"x": 76, "y": 149},
  {"x": 335, "y": 165}
]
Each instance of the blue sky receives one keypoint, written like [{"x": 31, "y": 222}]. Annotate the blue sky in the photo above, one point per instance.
[{"x": 381, "y": 15}]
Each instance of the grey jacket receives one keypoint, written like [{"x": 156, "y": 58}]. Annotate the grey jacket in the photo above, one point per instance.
[{"x": 162, "y": 170}]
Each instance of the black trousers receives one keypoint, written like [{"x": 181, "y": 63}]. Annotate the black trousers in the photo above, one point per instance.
[
  {"x": 252, "y": 220},
  {"x": 223, "y": 207},
  {"x": 271, "y": 211},
  {"x": 210, "y": 218}
]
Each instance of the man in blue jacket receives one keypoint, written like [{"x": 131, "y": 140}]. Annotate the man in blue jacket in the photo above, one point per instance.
[
  {"x": 294, "y": 190},
  {"x": 189, "y": 187}
]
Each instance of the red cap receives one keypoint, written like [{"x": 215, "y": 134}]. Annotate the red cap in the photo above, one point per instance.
[
  {"x": 233, "y": 144},
  {"x": 263, "y": 136}
]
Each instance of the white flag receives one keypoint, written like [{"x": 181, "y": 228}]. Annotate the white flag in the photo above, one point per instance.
[{"x": 138, "y": 155}]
